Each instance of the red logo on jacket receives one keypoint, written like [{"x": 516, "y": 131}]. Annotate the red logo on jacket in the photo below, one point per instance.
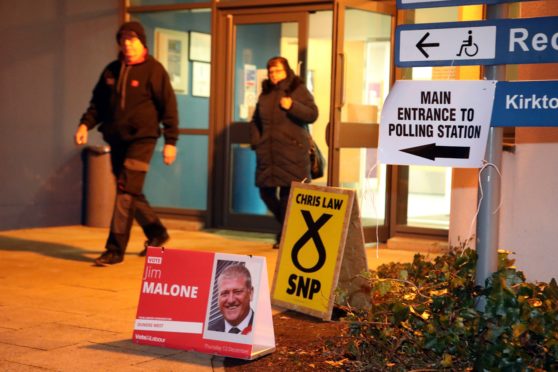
[{"x": 134, "y": 83}]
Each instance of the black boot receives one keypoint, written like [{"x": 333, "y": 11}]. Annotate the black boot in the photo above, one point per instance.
[{"x": 158, "y": 241}]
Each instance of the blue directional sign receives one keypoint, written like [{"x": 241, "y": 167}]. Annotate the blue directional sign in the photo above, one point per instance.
[
  {"x": 492, "y": 42},
  {"x": 412, "y": 4},
  {"x": 525, "y": 104}
]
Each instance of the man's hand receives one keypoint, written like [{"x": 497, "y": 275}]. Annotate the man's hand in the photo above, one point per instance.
[
  {"x": 169, "y": 154},
  {"x": 81, "y": 135}
]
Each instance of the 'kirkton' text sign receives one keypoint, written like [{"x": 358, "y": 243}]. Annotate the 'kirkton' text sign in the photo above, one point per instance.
[{"x": 526, "y": 104}]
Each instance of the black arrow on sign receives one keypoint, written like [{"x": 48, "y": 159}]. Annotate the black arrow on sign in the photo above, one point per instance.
[
  {"x": 421, "y": 45},
  {"x": 431, "y": 151}
]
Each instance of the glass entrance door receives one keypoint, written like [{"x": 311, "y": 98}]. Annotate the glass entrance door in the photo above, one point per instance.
[
  {"x": 344, "y": 55},
  {"x": 252, "y": 40},
  {"x": 363, "y": 78},
  {"x": 254, "y": 44}
]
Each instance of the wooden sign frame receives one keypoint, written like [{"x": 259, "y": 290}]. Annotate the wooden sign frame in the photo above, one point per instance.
[{"x": 321, "y": 250}]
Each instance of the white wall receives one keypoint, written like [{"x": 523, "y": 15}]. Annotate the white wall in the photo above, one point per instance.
[
  {"x": 463, "y": 206},
  {"x": 529, "y": 224},
  {"x": 529, "y": 212}
]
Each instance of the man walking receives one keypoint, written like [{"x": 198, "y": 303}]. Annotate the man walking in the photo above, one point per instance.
[{"x": 131, "y": 99}]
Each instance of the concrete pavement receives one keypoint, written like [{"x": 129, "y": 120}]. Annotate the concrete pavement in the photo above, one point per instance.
[{"x": 59, "y": 312}]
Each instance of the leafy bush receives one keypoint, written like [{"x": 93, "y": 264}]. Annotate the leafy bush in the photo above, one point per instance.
[{"x": 424, "y": 315}]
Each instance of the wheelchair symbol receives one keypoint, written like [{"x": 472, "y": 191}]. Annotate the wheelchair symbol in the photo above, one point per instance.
[{"x": 471, "y": 49}]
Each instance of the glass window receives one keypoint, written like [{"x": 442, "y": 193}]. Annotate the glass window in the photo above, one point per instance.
[
  {"x": 429, "y": 188},
  {"x": 429, "y": 197},
  {"x": 255, "y": 44},
  {"x": 318, "y": 77},
  {"x": 368, "y": 179},
  {"x": 367, "y": 48},
  {"x": 168, "y": 40},
  {"x": 245, "y": 195},
  {"x": 367, "y": 53},
  {"x": 184, "y": 183},
  {"x": 164, "y": 2}
]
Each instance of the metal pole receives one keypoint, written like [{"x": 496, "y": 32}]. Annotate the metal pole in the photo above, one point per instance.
[{"x": 489, "y": 188}]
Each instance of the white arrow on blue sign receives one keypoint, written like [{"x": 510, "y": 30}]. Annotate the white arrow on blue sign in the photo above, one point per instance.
[
  {"x": 525, "y": 104},
  {"x": 492, "y": 42},
  {"x": 411, "y": 4}
]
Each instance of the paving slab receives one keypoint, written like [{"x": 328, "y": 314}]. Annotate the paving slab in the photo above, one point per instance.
[
  {"x": 196, "y": 362},
  {"x": 18, "y": 367},
  {"x": 50, "y": 336},
  {"x": 9, "y": 352},
  {"x": 59, "y": 312},
  {"x": 18, "y": 317},
  {"x": 86, "y": 357},
  {"x": 122, "y": 323}
]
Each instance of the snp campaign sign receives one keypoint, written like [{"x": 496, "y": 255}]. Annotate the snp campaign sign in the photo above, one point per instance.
[
  {"x": 492, "y": 42},
  {"x": 526, "y": 104},
  {"x": 312, "y": 249},
  {"x": 412, "y": 4},
  {"x": 442, "y": 123}
]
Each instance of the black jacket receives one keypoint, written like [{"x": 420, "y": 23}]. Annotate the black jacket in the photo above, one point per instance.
[
  {"x": 280, "y": 137},
  {"x": 129, "y": 102}
]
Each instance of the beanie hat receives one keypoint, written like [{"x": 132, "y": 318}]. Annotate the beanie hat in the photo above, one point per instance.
[{"x": 134, "y": 27}]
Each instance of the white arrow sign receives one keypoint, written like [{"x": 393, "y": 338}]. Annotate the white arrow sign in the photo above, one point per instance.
[
  {"x": 491, "y": 42},
  {"x": 436, "y": 123},
  {"x": 410, "y": 4},
  {"x": 442, "y": 44}
]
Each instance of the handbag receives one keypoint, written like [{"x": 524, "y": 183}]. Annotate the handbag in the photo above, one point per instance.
[{"x": 317, "y": 160}]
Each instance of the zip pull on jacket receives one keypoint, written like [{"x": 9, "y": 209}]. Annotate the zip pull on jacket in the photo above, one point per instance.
[{"x": 122, "y": 82}]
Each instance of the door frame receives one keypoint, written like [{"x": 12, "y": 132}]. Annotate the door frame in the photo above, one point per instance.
[
  {"x": 227, "y": 132},
  {"x": 338, "y": 135},
  {"x": 399, "y": 179},
  {"x": 355, "y": 135}
]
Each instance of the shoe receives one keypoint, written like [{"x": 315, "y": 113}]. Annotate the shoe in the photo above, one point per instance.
[
  {"x": 109, "y": 258},
  {"x": 155, "y": 242}
]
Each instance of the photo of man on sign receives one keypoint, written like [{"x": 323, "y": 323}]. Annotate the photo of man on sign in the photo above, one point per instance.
[{"x": 232, "y": 294}]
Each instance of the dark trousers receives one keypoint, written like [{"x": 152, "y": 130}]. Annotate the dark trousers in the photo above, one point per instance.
[
  {"x": 130, "y": 163},
  {"x": 276, "y": 200}
]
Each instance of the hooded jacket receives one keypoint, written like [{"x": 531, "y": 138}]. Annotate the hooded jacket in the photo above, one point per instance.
[
  {"x": 129, "y": 102},
  {"x": 280, "y": 137}
]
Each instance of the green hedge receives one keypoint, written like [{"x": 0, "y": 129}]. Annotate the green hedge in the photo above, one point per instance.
[{"x": 424, "y": 315}]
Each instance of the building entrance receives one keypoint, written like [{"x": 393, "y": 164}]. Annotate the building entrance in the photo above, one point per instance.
[
  {"x": 343, "y": 50},
  {"x": 343, "y": 53},
  {"x": 253, "y": 38}
]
